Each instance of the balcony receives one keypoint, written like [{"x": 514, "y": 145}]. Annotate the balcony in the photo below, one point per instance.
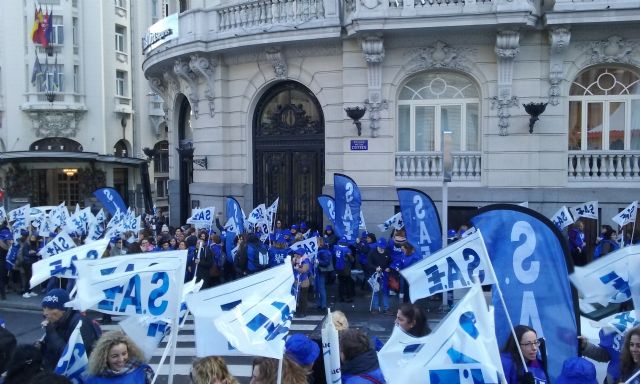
[
  {"x": 593, "y": 11},
  {"x": 599, "y": 166},
  {"x": 427, "y": 166}
]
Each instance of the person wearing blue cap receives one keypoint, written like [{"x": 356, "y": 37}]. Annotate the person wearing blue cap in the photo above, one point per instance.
[
  {"x": 294, "y": 230},
  {"x": 5, "y": 244},
  {"x": 279, "y": 251},
  {"x": 379, "y": 259},
  {"x": 344, "y": 260},
  {"x": 302, "y": 350},
  {"x": 324, "y": 268},
  {"x": 58, "y": 325}
]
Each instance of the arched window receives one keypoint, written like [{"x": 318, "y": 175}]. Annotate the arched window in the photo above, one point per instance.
[
  {"x": 604, "y": 110},
  {"x": 434, "y": 102},
  {"x": 120, "y": 149},
  {"x": 161, "y": 157}
]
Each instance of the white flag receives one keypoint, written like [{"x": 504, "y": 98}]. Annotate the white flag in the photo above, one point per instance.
[
  {"x": 331, "y": 350},
  {"x": 310, "y": 247},
  {"x": 115, "y": 227},
  {"x": 606, "y": 280},
  {"x": 209, "y": 304},
  {"x": 463, "y": 349},
  {"x": 3, "y": 215},
  {"x": 588, "y": 210},
  {"x": 20, "y": 218},
  {"x": 61, "y": 264},
  {"x": 627, "y": 215},
  {"x": 271, "y": 213},
  {"x": 46, "y": 228},
  {"x": 394, "y": 221},
  {"x": 453, "y": 267},
  {"x": 62, "y": 242},
  {"x": 259, "y": 325},
  {"x": 59, "y": 215},
  {"x": 96, "y": 227},
  {"x": 74, "y": 360},
  {"x": 562, "y": 218},
  {"x": 133, "y": 284},
  {"x": 620, "y": 322},
  {"x": 202, "y": 218},
  {"x": 146, "y": 332}
]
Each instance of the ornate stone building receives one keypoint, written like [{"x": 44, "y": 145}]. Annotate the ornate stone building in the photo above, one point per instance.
[{"x": 259, "y": 89}]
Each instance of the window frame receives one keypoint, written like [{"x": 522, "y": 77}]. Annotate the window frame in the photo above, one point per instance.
[
  {"x": 121, "y": 39},
  {"x": 121, "y": 84}
]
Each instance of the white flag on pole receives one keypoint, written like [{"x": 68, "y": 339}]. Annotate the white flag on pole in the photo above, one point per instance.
[
  {"x": 20, "y": 218},
  {"x": 463, "y": 349},
  {"x": 209, "y": 304},
  {"x": 394, "y": 221},
  {"x": 562, "y": 218},
  {"x": 331, "y": 350},
  {"x": 453, "y": 267},
  {"x": 62, "y": 242},
  {"x": 310, "y": 247},
  {"x": 588, "y": 210},
  {"x": 627, "y": 215},
  {"x": 61, "y": 264},
  {"x": 59, "y": 215},
  {"x": 73, "y": 362},
  {"x": 271, "y": 213},
  {"x": 133, "y": 284}
]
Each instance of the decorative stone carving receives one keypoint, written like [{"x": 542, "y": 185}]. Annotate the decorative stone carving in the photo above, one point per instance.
[
  {"x": 613, "y": 50},
  {"x": 156, "y": 123},
  {"x": 55, "y": 124},
  {"x": 559, "y": 37},
  {"x": 507, "y": 43},
  {"x": 182, "y": 70},
  {"x": 277, "y": 59},
  {"x": 439, "y": 55},
  {"x": 373, "y": 49},
  {"x": 206, "y": 68}
]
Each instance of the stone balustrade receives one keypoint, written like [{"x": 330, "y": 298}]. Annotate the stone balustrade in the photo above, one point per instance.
[
  {"x": 604, "y": 166},
  {"x": 427, "y": 166}
]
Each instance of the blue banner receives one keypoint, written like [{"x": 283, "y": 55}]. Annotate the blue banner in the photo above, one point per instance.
[
  {"x": 328, "y": 205},
  {"x": 348, "y": 200},
  {"x": 111, "y": 200},
  {"x": 235, "y": 215},
  {"x": 421, "y": 221},
  {"x": 531, "y": 258}
]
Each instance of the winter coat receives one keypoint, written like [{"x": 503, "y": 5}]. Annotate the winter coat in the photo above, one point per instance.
[
  {"x": 57, "y": 336},
  {"x": 138, "y": 374},
  {"x": 356, "y": 370},
  {"x": 513, "y": 373}
]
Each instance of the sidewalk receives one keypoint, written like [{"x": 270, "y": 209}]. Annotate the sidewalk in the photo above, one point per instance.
[{"x": 16, "y": 301}]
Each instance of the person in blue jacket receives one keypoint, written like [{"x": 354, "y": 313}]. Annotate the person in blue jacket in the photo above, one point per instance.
[
  {"x": 279, "y": 250},
  {"x": 324, "y": 268},
  {"x": 514, "y": 371},
  {"x": 608, "y": 350},
  {"x": 358, "y": 361},
  {"x": 630, "y": 357},
  {"x": 407, "y": 257},
  {"x": 117, "y": 360}
]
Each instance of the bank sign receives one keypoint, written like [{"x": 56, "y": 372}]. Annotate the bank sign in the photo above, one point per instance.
[{"x": 160, "y": 32}]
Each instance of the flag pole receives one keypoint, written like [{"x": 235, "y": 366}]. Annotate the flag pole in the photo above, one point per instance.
[
  {"x": 163, "y": 357},
  {"x": 174, "y": 343},
  {"x": 280, "y": 363},
  {"x": 630, "y": 380},
  {"x": 506, "y": 313}
]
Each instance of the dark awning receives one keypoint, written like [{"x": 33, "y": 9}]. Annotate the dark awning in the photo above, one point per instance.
[{"x": 39, "y": 156}]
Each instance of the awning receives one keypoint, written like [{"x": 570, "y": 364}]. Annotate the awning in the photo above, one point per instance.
[{"x": 39, "y": 156}]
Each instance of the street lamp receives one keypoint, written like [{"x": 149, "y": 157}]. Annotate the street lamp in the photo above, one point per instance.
[
  {"x": 534, "y": 110},
  {"x": 355, "y": 114}
]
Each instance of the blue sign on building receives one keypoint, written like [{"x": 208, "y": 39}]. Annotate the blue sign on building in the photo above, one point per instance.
[{"x": 359, "y": 145}]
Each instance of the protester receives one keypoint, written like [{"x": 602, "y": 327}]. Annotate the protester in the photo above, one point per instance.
[
  {"x": 302, "y": 350},
  {"x": 608, "y": 350},
  {"x": 630, "y": 356},
  {"x": 7, "y": 345},
  {"x": 323, "y": 270},
  {"x": 412, "y": 319},
  {"x": 25, "y": 363},
  {"x": 380, "y": 259},
  {"x": 359, "y": 362},
  {"x": 117, "y": 360},
  {"x": 203, "y": 261},
  {"x": 606, "y": 244},
  {"x": 59, "y": 323},
  {"x": 577, "y": 243},
  {"x": 514, "y": 372},
  {"x": 301, "y": 268},
  {"x": 265, "y": 371},
  {"x": 5, "y": 244},
  {"x": 211, "y": 370},
  {"x": 577, "y": 370},
  {"x": 343, "y": 263}
]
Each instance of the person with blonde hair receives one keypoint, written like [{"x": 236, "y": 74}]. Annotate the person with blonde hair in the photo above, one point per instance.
[
  {"x": 265, "y": 371},
  {"x": 117, "y": 360},
  {"x": 211, "y": 370},
  {"x": 339, "y": 320}
]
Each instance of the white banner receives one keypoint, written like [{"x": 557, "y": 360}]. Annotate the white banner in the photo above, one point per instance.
[
  {"x": 115, "y": 227},
  {"x": 20, "y": 218},
  {"x": 331, "y": 350},
  {"x": 202, "y": 218},
  {"x": 606, "y": 280},
  {"x": 394, "y": 221},
  {"x": 453, "y": 267},
  {"x": 272, "y": 211},
  {"x": 463, "y": 349},
  {"x": 627, "y": 215},
  {"x": 562, "y": 218},
  {"x": 59, "y": 215},
  {"x": 258, "y": 326},
  {"x": 96, "y": 227},
  {"x": 588, "y": 210},
  {"x": 211, "y": 303},
  {"x": 61, "y": 264},
  {"x": 74, "y": 360},
  {"x": 146, "y": 332},
  {"x": 62, "y": 242},
  {"x": 310, "y": 247},
  {"x": 133, "y": 284}
]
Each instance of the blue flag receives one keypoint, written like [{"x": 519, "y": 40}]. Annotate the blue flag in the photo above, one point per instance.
[
  {"x": 111, "y": 200},
  {"x": 421, "y": 221},
  {"x": 328, "y": 205},
  {"x": 530, "y": 258},
  {"x": 348, "y": 200},
  {"x": 236, "y": 219}
]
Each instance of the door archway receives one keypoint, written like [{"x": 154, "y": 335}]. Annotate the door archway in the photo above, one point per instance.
[{"x": 288, "y": 147}]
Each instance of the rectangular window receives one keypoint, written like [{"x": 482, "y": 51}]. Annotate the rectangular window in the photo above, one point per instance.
[
  {"x": 634, "y": 130},
  {"x": 52, "y": 79},
  {"x": 76, "y": 79},
  {"x": 121, "y": 34},
  {"x": 58, "y": 30},
  {"x": 404, "y": 128},
  {"x": 451, "y": 121},
  {"x": 575, "y": 125},
  {"x": 473, "y": 131},
  {"x": 162, "y": 189},
  {"x": 617, "y": 117},
  {"x": 74, "y": 31},
  {"x": 424, "y": 133},
  {"x": 595, "y": 126},
  {"x": 121, "y": 81}
]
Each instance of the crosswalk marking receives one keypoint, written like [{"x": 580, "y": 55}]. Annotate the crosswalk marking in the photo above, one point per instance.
[{"x": 239, "y": 366}]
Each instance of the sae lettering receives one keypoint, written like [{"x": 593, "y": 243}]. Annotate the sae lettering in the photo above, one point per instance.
[
  {"x": 120, "y": 297},
  {"x": 454, "y": 276}
]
